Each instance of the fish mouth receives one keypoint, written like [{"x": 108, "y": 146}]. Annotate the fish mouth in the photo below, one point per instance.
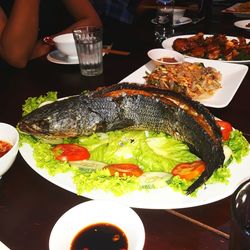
[
  {"x": 32, "y": 129},
  {"x": 23, "y": 126},
  {"x": 29, "y": 130}
]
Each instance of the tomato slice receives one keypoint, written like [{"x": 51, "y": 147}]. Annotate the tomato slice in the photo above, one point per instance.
[
  {"x": 189, "y": 171},
  {"x": 225, "y": 128},
  {"x": 126, "y": 169},
  {"x": 70, "y": 152}
]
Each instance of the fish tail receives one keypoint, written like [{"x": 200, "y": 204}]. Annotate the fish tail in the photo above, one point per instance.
[{"x": 201, "y": 180}]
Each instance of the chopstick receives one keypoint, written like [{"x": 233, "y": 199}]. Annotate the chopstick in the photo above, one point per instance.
[
  {"x": 214, "y": 230},
  {"x": 115, "y": 52}
]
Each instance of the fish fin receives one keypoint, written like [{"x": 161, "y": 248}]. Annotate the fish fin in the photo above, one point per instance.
[{"x": 201, "y": 180}]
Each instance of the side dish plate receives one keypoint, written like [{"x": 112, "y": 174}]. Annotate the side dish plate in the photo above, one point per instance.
[
  {"x": 232, "y": 76},
  {"x": 168, "y": 44}
]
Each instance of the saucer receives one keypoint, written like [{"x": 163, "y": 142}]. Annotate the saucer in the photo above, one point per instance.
[
  {"x": 57, "y": 57},
  {"x": 183, "y": 20}
]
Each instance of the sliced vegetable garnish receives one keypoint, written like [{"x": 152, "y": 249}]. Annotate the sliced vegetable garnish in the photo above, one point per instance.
[
  {"x": 70, "y": 152},
  {"x": 125, "y": 169},
  {"x": 189, "y": 171},
  {"x": 88, "y": 165},
  {"x": 225, "y": 128},
  {"x": 152, "y": 180}
]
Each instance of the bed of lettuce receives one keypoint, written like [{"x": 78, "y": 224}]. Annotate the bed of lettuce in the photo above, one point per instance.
[{"x": 153, "y": 152}]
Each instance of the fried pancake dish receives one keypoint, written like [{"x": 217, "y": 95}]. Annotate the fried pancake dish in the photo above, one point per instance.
[{"x": 191, "y": 79}]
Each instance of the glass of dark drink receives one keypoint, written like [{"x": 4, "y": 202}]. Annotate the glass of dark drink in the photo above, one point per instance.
[{"x": 240, "y": 218}]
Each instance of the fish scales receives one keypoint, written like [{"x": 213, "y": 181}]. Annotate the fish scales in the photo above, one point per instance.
[
  {"x": 102, "y": 114},
  {"x": 198, "y": 107},
  {"x": 147, "y": 108}
]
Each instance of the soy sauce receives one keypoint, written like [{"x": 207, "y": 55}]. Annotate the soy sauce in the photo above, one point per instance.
[{"x": 100, "y": 236}]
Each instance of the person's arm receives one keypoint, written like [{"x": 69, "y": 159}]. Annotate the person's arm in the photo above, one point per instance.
[
  {"x": 18, "y": 33},
  {"x": 83, "y": 13}
]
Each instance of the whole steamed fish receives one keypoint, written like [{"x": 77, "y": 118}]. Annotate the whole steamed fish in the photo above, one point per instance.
[{"x": 132, "y": 106}]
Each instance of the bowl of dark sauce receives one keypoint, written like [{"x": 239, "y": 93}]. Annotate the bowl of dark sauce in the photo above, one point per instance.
[{"x": 98, "y": 225}]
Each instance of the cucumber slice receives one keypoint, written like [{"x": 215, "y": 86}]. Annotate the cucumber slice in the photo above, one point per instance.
[
  {"x": 88, "y": 165},
  {"x": 227, "y": 152},
  {"x": 152, "y": 180}
]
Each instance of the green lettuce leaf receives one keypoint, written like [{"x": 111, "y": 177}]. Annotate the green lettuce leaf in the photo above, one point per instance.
[
  {"x": 151, "y": 151},
  {"x": 238, "y": 144},
  {"x": 33, "y": 103}
]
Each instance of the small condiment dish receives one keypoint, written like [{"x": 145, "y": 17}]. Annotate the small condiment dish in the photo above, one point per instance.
[
  {"x": 165, "y": 56},
  {"x": 87, "y": 214},
  {"x": 65, "y": 44},
  {"x": 10, "y": 135}
]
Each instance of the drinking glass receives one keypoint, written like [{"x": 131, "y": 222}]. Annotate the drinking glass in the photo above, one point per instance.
[
  {"x": 240, "y": 218},
  {"x": 164, "y": 20},
  {"x": 88, "y": 41}
]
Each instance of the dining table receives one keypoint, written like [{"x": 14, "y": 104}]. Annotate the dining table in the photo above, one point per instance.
[{"x": 30, "y": 205}]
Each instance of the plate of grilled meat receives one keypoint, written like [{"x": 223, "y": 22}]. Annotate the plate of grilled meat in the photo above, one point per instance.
[{"x": 211, "y": 47}]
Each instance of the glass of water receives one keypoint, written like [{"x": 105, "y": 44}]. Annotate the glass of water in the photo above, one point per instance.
[
  {"x": 88, "y": 41},
  {"x": 164, "y": 20}
]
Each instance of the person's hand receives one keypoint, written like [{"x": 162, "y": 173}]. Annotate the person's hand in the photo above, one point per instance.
[{"x": 41, "y": 49}]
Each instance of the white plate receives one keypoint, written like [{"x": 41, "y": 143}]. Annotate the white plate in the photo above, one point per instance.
[
  {"x": 57, "y": 57},
  {"x": 163, "y": 198},
  {"x": 232, "y": 76},
  {"x": 168, "y": 43},
  {"x": 3, "y": 246},
  {"x": 242, "y": 24},
  {"x": 182, "y": 21}
]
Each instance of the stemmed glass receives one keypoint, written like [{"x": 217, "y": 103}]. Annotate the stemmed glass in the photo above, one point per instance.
[{"x": 163, "y": 20}]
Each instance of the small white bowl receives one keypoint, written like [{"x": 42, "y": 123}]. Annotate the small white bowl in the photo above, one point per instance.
[
  {"x": 157, "y": 54},
  {"x": 178, "y": 14},
  {"x": 8, "y": 134},
  {"x": 94, "y": 212},
  {"x": 66, "y": 44}
]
